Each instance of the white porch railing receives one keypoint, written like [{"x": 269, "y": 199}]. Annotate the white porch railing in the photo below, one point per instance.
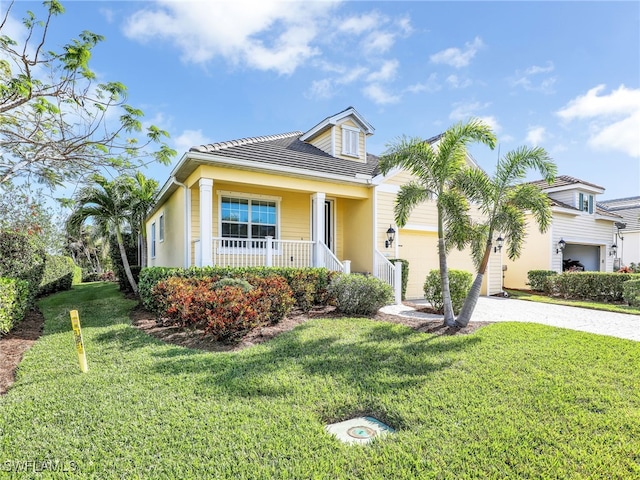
[
  {"x": 264, "y": 252},
  {"x": 329, "y": 260},
  {"x": 390, "y": 273}
]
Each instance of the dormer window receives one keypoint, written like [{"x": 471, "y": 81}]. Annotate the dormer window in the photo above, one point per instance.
[
  {"x": 585, "y": 202},
  {"x": 350, "y": 141}
]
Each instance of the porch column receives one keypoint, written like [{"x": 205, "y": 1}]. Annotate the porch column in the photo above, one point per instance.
[
  {"x": 206, "y": 219},
  {"x": 317, "y": 227}
]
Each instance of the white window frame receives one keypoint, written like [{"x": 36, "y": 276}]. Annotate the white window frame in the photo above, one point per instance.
[
  {"x": 249, "y": 197},
  {"x": 349, "y": 134},
  {"x": 153, "y": 240},
  {"x": 161, "y": 226}
]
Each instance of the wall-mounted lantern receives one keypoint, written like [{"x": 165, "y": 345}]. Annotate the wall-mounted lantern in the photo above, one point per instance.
[
  {"x": 391, "y": 235},
  {"x": 561, "y": 245},
  {"x": 613, "y": 250},
  {"x": 498, "y": 247}
]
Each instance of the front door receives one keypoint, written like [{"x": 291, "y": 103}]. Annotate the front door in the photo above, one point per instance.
[{"x": 328, "y": 224}]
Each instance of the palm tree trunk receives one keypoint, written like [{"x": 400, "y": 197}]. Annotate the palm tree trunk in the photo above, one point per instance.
[
  {"x": 449, "y": 318},
  {"x": 471, "y": 300},
  {"x": 125, "y": 262}
]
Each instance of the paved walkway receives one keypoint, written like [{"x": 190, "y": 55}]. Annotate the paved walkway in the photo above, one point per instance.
[{"x": 496, "y": 309}]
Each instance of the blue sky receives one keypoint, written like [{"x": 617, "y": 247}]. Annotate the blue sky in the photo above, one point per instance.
[{"x": 561, "y": 75}]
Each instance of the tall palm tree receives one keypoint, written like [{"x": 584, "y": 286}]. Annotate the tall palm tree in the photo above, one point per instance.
[
  {"x": 434, "y": 167},
  {"x": 143, "y": 192},
  {"x": 504, "y": 202},
  {"x": 107, "y": 204}
]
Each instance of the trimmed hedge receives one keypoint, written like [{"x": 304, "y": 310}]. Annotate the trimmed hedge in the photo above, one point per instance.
[
  {"x": 13, "y": 302},
  {"x": 225, "y": 308},
  {"x": 459, "y": 285},
  {"x": 631, "y": 292},
  {"x": 22, "y": 258},
  {"x": 405, "y": 274},
  {"x": 539, "y": 279},
  {"x": 59, "y": 273},
  {"x": 595, "y": 286},
  {"x": 309, "y": 285},
  {"x": 357, "y": 294}
]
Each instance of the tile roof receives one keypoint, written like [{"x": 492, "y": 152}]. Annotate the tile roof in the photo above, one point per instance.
[
  {"x": 287, "y": 150},
  {"x": 562, "y": 181}
]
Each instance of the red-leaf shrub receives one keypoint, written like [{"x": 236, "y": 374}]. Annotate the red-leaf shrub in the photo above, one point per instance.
[
  {"x": 224, "y": 310},
  {"x": 277, "y": 297}
]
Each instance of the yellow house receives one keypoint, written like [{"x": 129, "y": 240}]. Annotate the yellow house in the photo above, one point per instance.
[{"x": 297, "y": 199}]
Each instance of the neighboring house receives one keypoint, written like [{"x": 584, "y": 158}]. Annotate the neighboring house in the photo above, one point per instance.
[
  {"x": 627, "y": 230},
  {"x": 580, "y": 231},
  {"x": 296, "y": 199}
]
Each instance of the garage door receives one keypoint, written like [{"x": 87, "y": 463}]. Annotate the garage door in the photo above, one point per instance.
[{"x": 420, "y": 249}]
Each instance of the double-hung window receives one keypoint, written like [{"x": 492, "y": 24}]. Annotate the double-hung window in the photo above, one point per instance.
[
  {"x": 153, "y": 240},
  {"x": 350, "y": 141},
  {"x": 246, "y": 220},
  {"x": 161, "y": 228}
]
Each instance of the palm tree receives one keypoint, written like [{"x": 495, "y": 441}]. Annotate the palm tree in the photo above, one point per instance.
[
  {"x": 143, "y": 192},
  {"x": 435, "y": 166},
  {"x": 504, "y": 202},
  {"x": 107, "y": 204}
]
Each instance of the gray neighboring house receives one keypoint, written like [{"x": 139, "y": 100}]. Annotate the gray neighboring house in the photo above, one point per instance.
[{"x": 626, "y": 232}]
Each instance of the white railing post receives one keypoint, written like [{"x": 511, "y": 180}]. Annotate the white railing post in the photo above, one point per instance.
[
  {"x": 269, "y": 252},
  {"x": 397, "y": 283},
  {"x": 346, "y": 266}
]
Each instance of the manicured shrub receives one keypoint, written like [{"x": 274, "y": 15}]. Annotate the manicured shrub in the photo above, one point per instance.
[
  {"x": 276, "y": 297},
  {"x": 357, "y": 294},
  {"x": 631, "y": 292},
  {"x": 13, "y": 302},
  {"x": 593, "y": 286},
  {"x": 309, "y": 285},
  {"x": 225, "y": 310},
  {"x": 459, "y": 285},
  {"x": 77, "y": 273},
  {"x": 58, "y": 274},
  {"x": 22, "y": 258},
  {"x": 233, "y": 282},
  {"x": 539, "y": 279},
  {"x": 405, "y": 274}
]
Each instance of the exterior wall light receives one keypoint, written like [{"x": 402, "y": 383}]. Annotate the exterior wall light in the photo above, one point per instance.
[
  {"x": 613, "y": 250},
  {"x": 561, "y": 245},
  {"x": 498, "y": 247},
  {"x": 391, "y": 235}
]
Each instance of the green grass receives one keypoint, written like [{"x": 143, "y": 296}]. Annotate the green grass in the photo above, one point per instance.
[
  {"x": 607, "y": 307},
  {"x": 509, "y": 401}
]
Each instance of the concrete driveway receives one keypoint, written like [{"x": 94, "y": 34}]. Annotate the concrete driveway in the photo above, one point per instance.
[{"x": 496, "y": 309}]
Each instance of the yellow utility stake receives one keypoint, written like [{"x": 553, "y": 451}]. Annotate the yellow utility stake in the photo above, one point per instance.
[{"x": 77, "y": 333}]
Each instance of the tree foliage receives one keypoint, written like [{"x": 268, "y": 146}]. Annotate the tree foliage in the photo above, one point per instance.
[
  {"x": 434, "y": 166},
  {"x": 56, "y": 120}
]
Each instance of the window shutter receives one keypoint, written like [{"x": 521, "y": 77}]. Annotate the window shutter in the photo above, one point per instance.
[
  {"x": 590, "y": 203},
  {"x": 581, "y": 202}
]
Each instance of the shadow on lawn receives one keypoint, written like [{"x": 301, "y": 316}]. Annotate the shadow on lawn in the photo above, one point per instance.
[{"x": 384, "y": 357}]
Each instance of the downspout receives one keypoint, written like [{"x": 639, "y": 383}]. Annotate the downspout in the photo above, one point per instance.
[{"x": 187, "y": 222}]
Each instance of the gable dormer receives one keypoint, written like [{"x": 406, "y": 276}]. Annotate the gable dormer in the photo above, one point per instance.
[
  {"x": 573, "y": 193},
  {"x": 343, "y": 135}
]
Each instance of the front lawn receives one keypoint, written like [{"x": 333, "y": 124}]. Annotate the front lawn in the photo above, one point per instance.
[{"x": 511, "y": 400}]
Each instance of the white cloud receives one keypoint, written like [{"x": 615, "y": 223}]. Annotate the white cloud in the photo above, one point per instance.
[
  {"x": 614, "y": 118},
  {"x": 378, "y": 42},
  {"x": 362, "y": 23},
  {"x": 536, "y": 135},
  {"x": 456, "y": 82},
  {"x": 457, "y": 58},
  {"x": 464, "y": 111},
  {"x": 266, "y": 35},
  {"x": 378, "y": 94},
  {"x": 529, "y": 78},
  {"x": 430, "y": 86},
  {"x": 386, "y": 73},
  {"x": 188, "y": 139},
  {"x": 323, "y": 89}
]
